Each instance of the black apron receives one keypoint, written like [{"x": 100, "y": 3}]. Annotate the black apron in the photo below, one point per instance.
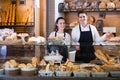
[
  {"x": 63, "y": 50},
  {"x": 86, "y": 52}
]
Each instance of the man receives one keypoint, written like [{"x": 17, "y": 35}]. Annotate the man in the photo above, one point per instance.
[{"x": 83, "y": 36}]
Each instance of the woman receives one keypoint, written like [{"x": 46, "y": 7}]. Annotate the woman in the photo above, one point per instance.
[
  {"x": 83, "y": 36},
  {"x": 59, "y": 33}
]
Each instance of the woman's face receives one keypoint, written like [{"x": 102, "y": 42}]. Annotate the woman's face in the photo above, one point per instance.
[
  {"x": 61, "y": 24},
  {"x": 82, "y": 18}
]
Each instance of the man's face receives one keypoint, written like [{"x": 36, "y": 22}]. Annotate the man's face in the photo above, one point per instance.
[{"x": 82, "y": 17}]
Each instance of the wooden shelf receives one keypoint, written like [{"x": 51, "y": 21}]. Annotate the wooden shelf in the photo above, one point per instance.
[
  {"x": 89, "y": 10},
  {"x": 18, "y": 24}
]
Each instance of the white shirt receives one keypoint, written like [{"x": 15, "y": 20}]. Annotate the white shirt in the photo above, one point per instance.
[
  {"x": 66, "y": 38},
  {"x": 76, "y": 34}
]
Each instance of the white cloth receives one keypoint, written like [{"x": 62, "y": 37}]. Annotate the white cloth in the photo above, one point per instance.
[
  {"x": 67, "y": 38},
  {"x": 76, "y": 34}
]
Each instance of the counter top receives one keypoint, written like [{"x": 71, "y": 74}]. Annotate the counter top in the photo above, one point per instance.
[{"x": 4, "y": 77}]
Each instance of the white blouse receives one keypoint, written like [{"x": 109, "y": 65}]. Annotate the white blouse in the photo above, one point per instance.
[
  {"x": 76, "y": 34},
  {"x": 67, "y": 38}
]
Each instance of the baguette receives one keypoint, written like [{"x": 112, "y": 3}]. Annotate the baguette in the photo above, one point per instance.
[
  {"x": 101, "y": 56},
  {"x": 105, "y": 57},
  {"x": 110, "y": 59}
]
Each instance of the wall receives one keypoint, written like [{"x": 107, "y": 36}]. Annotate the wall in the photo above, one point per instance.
[
  {"x": 50, "y": 16},
  {"x": 57, "y": 14},
  {"x": 43, "y": 17}
]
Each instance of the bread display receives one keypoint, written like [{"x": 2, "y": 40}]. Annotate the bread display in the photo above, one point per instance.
[
  {"x": 9, "y": 36},
  {"x": 111, "y": 67},
  {"x": 97, "y": 69},
  {"x": 11, "y": 68},
  {"x": 28, "y": 69},
  {"x": 10, "y": 15},
  {"x": 10, "y": 64},
  {"x": 28, "y": 16},
  {"x": 36, "y": 40},
  {"x": 104, "y": 57}
]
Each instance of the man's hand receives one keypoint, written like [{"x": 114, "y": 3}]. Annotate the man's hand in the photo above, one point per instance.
[{"x": 77, "y": 47}]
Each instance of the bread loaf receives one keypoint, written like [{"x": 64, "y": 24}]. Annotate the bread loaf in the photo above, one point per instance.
[{"x": 102, "y": 6}]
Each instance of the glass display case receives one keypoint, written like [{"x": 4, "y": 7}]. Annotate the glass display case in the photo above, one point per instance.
[{"x": 24, "y": 58}]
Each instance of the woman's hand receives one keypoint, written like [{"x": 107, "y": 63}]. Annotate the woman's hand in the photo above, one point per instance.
[{"x": 77, "y": 47}]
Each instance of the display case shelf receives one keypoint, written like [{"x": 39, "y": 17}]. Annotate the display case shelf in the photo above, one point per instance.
[{"x": 17, "y": 24}]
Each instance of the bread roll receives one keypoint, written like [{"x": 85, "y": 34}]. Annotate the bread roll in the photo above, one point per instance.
[
  {"x": 118, "y": 5},
  {"x": 47, "y": 68},
  {"x": 34, "y": 61},
  {"x": 102, "y": 6},
  {"x": 21, "y": 65},
  {"x": 110, "y": 6},
  {"x": 29, "y": 65},
  {"x": 43, "y": 63}
]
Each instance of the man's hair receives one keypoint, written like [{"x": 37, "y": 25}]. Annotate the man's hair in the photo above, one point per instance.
[{"x": 80, "y": 12}]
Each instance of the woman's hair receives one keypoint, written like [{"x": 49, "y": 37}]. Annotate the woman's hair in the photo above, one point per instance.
[
  {"x": 56, "y": 27},
  {"x": 81, "y": 12}
]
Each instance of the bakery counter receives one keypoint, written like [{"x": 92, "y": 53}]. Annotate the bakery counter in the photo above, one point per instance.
[{"x": 3, "y": 77}]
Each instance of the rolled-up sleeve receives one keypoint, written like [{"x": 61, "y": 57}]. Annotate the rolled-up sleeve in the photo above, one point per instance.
[{"x": 96, "y": 36}]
